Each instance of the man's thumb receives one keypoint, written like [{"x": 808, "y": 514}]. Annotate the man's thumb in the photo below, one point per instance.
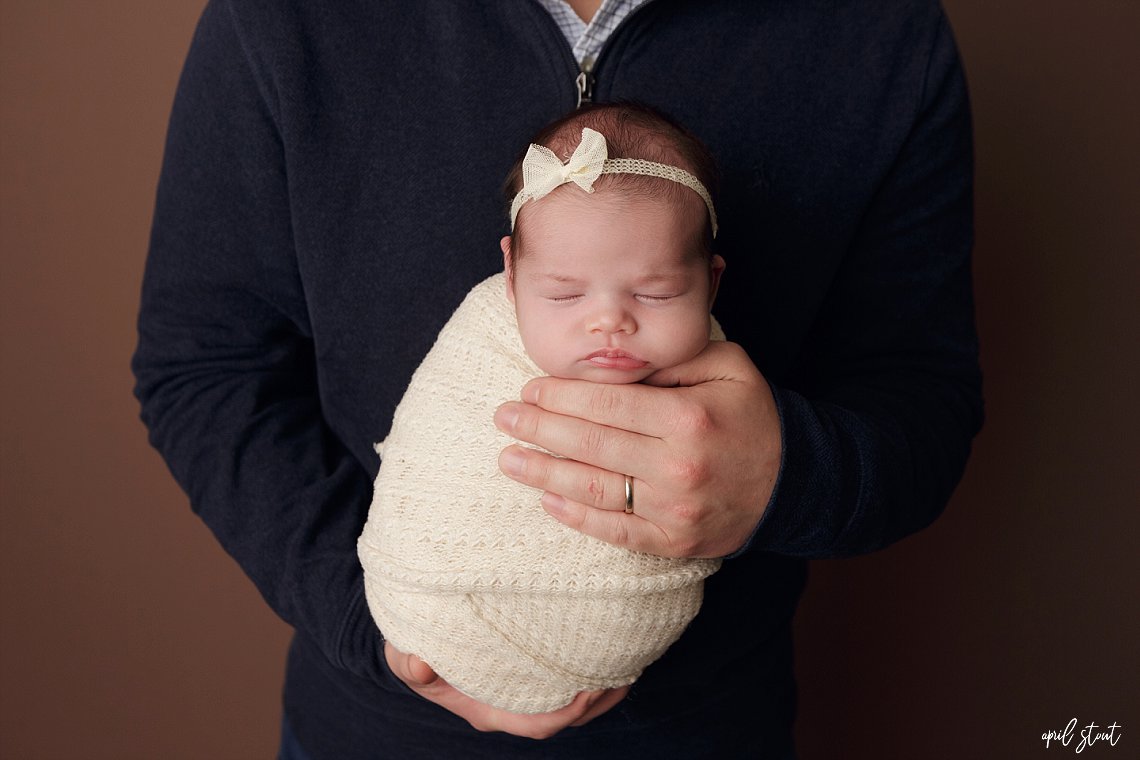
[
  {"x": 716, "y": 362},
  {"x": 419, "y": 671}
]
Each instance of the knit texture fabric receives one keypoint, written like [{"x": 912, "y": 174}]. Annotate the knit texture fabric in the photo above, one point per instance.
[{"x": 464, "y": 569}]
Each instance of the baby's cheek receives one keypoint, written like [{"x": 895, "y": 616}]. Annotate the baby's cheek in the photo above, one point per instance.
[
  {"x": 691, "y": 340},
  {"x": 544, "y": 351}
]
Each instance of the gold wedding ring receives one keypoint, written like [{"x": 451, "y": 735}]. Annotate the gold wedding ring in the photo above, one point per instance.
[{"x": 628, "y": 495}]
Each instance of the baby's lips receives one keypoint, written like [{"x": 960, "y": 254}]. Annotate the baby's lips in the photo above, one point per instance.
[{"x": 615, "y": 358}]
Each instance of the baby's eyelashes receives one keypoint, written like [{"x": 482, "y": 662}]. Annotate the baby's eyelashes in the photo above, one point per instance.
[{"x": 643, "y": 297}]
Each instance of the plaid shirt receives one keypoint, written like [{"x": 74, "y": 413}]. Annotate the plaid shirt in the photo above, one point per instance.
[{"x": 587, "y": 39}]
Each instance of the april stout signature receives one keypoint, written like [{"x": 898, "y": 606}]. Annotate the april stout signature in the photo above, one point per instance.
[{"x": 1089, "y": 735}]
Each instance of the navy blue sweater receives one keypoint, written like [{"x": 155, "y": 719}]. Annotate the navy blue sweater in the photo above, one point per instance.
[{"x": 330, "y": 192}]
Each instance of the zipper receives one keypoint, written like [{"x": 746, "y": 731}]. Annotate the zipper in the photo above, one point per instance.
[
  {"x": 584, "y": 82},
  {"x": 585, "y": 79}
]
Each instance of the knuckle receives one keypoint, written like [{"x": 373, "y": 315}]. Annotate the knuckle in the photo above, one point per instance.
[
  {"x": 691, "y": 473},
  {"x": 695, "y": 419},
  {"x": 605, "y": 402},
  {"x": 596, "y": 488},
  {"x": 687, "y": 512},
  {"x": 619, "y": 533},
  {"x": 592, "y": 441},
  {"x": 528, "y": 424},
  {"x": 536, "y": 468}
]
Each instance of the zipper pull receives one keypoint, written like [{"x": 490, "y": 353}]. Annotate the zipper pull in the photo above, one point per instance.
[{"x": 584, "y": 82}]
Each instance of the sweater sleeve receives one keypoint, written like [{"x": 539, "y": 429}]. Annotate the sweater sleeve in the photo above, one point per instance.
[
  {"x": 888, "y": 390},
  {"x": 225, "y": 369}
]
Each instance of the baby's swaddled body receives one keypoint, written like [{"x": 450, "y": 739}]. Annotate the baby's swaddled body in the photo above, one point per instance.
[{"x": 464, "y": 569}]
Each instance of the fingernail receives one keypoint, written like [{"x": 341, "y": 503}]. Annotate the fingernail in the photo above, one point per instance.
[
  {"x": 514, "y": 463},
  {"x": 505, "y": 417},
  {"x": 552, "y": 502},
  {"x": 530, "y": 393}
]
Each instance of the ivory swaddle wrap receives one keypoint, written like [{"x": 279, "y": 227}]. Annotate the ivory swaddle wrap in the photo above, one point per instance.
[{"x": 464, "y": 569}]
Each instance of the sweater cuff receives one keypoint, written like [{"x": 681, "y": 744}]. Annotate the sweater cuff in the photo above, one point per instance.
[{"x": 783, "y": 516}]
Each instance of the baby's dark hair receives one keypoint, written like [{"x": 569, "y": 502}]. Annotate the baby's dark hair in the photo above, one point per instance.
[{"x": 632, "y": 130}]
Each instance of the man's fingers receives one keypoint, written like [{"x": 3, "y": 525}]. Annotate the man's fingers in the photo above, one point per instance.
[
  {"x": 420, "y": 671},
  {"x": 634, "y": 407},
  {"x": 423, "y": 680},
  {"x": 545, "y": 725},
  {"x": 581, "y": 482},
  {"x": 539, "y": 726},
  {"x": 602, "y": 704},
  {"x": 617, "y": 528},
  {"x": 409, "y": 668},
  {"x": 581, "y": 440}
]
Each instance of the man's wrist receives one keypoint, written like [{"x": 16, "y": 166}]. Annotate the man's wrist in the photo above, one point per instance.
[{"x": 766, "y": 518}]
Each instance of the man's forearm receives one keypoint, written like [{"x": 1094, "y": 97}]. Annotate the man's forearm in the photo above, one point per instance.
[{"x": 225, "y": 367}]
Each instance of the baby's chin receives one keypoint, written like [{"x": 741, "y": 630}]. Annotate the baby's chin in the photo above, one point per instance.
[{"x": 606, "y": 375}]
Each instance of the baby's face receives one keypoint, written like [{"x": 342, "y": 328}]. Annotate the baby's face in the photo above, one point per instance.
[{"x": 608, "y": 288}]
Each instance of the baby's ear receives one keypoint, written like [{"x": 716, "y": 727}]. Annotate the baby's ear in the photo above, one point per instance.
[
  {"x": 508, "y": 267},
  {"x": 716, "y": 269}
]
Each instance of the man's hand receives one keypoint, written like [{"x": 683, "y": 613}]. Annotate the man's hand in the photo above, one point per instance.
[
  {"x": 421, "y": 679},
  {"x": 703, "y": 449}
]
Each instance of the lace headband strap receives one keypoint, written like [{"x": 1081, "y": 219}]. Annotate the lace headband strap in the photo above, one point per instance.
[{"x": 543, "y": 171}]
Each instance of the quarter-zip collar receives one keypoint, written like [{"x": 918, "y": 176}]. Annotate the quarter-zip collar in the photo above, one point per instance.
[{"x": 590, "y": 45}]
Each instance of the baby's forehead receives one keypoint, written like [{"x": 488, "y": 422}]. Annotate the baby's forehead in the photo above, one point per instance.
[
  {"x": 570, "y": 272},
  {"x": 657, "y": 202}
]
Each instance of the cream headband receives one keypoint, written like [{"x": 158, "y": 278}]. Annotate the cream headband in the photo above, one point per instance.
[{"x": 542, "y": 172}]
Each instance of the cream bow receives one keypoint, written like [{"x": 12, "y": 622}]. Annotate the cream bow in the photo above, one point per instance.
[{"x": 542, "y": 171}]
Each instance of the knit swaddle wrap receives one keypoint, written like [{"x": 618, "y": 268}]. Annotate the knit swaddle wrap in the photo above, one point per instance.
[{"x": 464, "y": 569}]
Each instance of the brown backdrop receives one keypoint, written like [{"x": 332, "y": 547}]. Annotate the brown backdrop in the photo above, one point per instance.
[{"x": 127, "y": 633}]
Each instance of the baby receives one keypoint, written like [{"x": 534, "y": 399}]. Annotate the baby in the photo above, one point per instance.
[{"x": 609, "y": 276}]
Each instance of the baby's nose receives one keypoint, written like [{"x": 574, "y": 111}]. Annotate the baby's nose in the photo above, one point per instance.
[{"x": 612, "y": 317}]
